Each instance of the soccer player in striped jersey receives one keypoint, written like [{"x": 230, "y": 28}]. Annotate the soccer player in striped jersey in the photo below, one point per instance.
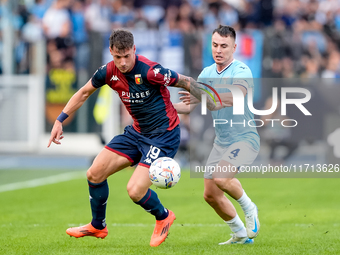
[{"x": 141, "y": 85}]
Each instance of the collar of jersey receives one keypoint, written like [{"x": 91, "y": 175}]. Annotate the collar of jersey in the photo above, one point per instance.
[{"x": 225, "y": 67}]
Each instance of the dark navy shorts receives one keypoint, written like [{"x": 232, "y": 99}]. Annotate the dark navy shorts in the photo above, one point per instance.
[{"x": 143, "y": 149}]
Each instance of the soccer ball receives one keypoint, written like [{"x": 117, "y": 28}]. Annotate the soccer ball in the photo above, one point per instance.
[{"x": 164, "y": 173}]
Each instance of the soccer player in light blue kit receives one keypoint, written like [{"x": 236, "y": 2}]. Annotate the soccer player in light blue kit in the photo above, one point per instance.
[{"x": 237, "y": 142}]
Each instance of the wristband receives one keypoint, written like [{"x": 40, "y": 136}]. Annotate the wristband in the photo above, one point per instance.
[{"x": 63, "y": 116}]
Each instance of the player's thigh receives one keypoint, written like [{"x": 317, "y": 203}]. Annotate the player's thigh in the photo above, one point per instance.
[
  {"x": 105, "y": 164},
  {"x": 164, "y": 144},
  {"x": 224, "y": 170},
  {"x": 139, "y": 183},
  {"x": 213, "y": 159},
  {"x": 126, "y": 145}
]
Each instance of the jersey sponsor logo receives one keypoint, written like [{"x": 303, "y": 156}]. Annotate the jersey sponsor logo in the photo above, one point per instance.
[
  {"x": 136, "y": 95},
  {"x": 156, "y": 71},
  {"x": 138, "y": 79},
  {"x": 114, "y": 78}
]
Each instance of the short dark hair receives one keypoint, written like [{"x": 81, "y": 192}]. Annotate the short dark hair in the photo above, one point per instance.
[
  {"x": 121, "y": 39},
  {"x": 225, "y": 31}
]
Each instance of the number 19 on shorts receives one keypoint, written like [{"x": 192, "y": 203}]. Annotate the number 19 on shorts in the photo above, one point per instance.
[{"x": 153, "y": 152}]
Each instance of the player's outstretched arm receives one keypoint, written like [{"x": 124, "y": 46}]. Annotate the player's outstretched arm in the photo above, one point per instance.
[
  {"x": 76, "y": 101},
  {"x": 195, "y": 89},
  {"x": 187, "y": 98},
  {"x": 188, "y": 103},
  {"x": 228, "y": 99},
  {"x": 183, "y": 108}
]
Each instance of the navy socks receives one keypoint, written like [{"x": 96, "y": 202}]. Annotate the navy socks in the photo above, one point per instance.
[
  {"x": 99, "y": 193},
  {"x": 151, "y": 203}
]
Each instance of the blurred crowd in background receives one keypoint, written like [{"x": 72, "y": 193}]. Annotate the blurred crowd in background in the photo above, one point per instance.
[
  {"x": 302, "y": 37},
  {"x": 293, "y": 38}
]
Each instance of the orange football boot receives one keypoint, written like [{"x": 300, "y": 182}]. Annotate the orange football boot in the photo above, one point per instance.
[
  {"x": 162, "y": 229},
  {"x": 87, "y": 230}
]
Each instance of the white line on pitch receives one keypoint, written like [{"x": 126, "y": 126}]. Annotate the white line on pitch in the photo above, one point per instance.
[
  {"x": 42, "y": 181},
  {"x": 152, "y": 225},
  {"x": 175, "y": 224}
]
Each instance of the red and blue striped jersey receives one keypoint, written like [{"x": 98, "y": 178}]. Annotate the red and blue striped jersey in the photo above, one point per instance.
[{"x": 144, "y": 93}]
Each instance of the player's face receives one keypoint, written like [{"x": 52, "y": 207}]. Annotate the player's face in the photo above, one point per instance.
[
  {"x": 124, "y": 60},
  {"x": 223, "y": 49}
]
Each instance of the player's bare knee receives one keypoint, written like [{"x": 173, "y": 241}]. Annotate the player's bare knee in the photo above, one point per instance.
[
  {"x": 93, "y": 177},
  {"x": 209, "y": 197},
  {"x": 134, "y": 192},
  {"x": 223, "y": 183},
  {"x": 90, "y": 176},
  {"x": 135, "y": 195}
]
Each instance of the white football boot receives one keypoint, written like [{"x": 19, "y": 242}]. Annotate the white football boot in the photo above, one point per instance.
[
  {"x": 252, "y": 223},
  {"x": 238, "y": 240}
]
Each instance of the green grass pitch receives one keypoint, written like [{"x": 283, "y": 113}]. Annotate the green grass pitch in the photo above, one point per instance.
[{"x": 298, "y": 216}]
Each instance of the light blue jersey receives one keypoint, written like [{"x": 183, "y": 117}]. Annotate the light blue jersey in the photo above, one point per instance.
[{"x": 239, "y": 127}]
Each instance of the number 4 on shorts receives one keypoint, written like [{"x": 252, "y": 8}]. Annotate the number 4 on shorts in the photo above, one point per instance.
[{"x": 235, "y": 152}]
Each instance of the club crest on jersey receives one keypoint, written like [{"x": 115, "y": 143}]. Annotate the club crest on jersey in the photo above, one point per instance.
[{"x": 138, "y": 79}]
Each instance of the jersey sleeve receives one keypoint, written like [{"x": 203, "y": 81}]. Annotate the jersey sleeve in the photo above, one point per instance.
[
  {"x": 243, "y": 77},
  {"x": 99, "y": 77},
  {"x": 158, "y": 75}
]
